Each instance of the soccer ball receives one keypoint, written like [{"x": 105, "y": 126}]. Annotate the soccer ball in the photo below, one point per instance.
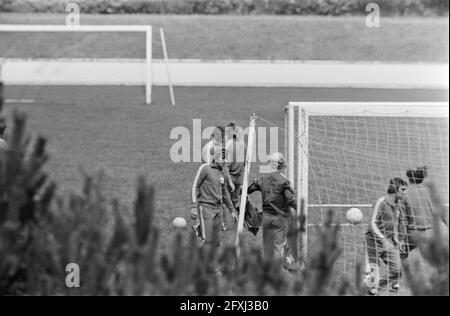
[
  {"x": 179, "y": 222},
  {"x": 354, "y": 216}
]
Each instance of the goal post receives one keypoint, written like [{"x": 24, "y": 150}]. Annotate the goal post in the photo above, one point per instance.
[
  {"x": 146, "y": 29},
  {"x": 342, "y": 155},
  {"x": 245, "y": 183}
]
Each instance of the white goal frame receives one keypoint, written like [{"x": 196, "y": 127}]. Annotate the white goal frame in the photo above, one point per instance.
[
  {"x": 302, "y": 111},
  {"x": 147, "y": 29}
]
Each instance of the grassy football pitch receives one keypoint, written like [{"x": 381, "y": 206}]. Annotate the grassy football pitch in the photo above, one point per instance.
[{"x": 110, "y": 128}]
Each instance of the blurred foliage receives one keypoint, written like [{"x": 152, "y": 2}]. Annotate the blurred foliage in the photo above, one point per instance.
[
  {"x": 282, "y": 7},
  {"x": 42, "y": 232},
  {"x": 435, "y": 250}
]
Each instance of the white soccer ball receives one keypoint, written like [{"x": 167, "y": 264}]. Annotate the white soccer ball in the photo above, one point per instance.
[
  {"x": 179, "y": 222},
  {"x": 354, "y": 215}
]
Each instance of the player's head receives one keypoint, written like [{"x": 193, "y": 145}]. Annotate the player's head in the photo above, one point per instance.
[
  {"x": 219, "y": 156},
  {"x": 230, "y": 130},
  {"x": 218, "y": 134},
  {"x": 277, "y": 161},
  {"x": 2, "y": 125},
  {"x": 397, "y": 186},
  {"x": 239, "y": 134},
  {"x": 416, "y": 176}
]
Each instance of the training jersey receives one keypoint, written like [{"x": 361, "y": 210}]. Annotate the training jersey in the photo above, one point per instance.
[
  {"x": 209, "y": 187},
  {"x": 387, "y": 220},
  {"x": 276, "y": 191}
]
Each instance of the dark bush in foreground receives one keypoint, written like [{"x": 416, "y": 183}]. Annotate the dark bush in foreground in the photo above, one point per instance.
[{"x": 282, "y": 7}]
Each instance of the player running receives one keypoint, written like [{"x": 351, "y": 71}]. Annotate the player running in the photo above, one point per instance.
[
  {"x": 209, "y": 197},
  {"x": 383, "y": 237},
  {"x": 278, "y": 197}
]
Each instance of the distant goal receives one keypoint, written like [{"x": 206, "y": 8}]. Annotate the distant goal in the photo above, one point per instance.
[
  {"x": 145, "y": 29},
  {"x": 342, "y": 155}
]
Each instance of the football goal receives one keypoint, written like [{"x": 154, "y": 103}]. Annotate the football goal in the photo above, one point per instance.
[
  {"x": 147, "y": 30},
  {"x": 343, "y": 154}
]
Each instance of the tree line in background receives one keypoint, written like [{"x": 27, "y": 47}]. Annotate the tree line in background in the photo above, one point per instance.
[{"x": 238, "y": 7}]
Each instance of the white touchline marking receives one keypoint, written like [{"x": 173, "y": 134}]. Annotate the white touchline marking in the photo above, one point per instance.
[{"x": 21, "y": 101}]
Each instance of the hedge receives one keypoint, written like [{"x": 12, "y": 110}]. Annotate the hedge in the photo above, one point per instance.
[{"x": 238, "y": 7}]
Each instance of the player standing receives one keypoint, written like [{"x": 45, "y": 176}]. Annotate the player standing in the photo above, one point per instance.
[
  {"x": 420, "y": 211},
  {"x": 217, "y": 145},
  {"x": 209, "y": 196},
  {"x": 235, "y": 159},
  {"x": 383, "y": 237},
  {"x": 278, "y": 197}
]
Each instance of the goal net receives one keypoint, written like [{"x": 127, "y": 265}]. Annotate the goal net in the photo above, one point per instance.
[{"x": 342, "y": 155}]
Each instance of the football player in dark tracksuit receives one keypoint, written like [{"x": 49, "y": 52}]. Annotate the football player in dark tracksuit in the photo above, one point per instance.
[{"x": 278, "y": 197}]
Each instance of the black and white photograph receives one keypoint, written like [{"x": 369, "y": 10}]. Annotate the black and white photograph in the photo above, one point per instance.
[{"x": 224, "y": 155}]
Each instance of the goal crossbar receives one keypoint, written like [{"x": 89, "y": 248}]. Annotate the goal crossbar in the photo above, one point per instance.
[
  {"x": 413, "y": 109},
  {"x": 72, "y": 28},
  {"x": 146, "y": 29}
]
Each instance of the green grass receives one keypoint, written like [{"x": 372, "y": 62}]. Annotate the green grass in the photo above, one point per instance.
[{"x": 240, "y": 37}]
